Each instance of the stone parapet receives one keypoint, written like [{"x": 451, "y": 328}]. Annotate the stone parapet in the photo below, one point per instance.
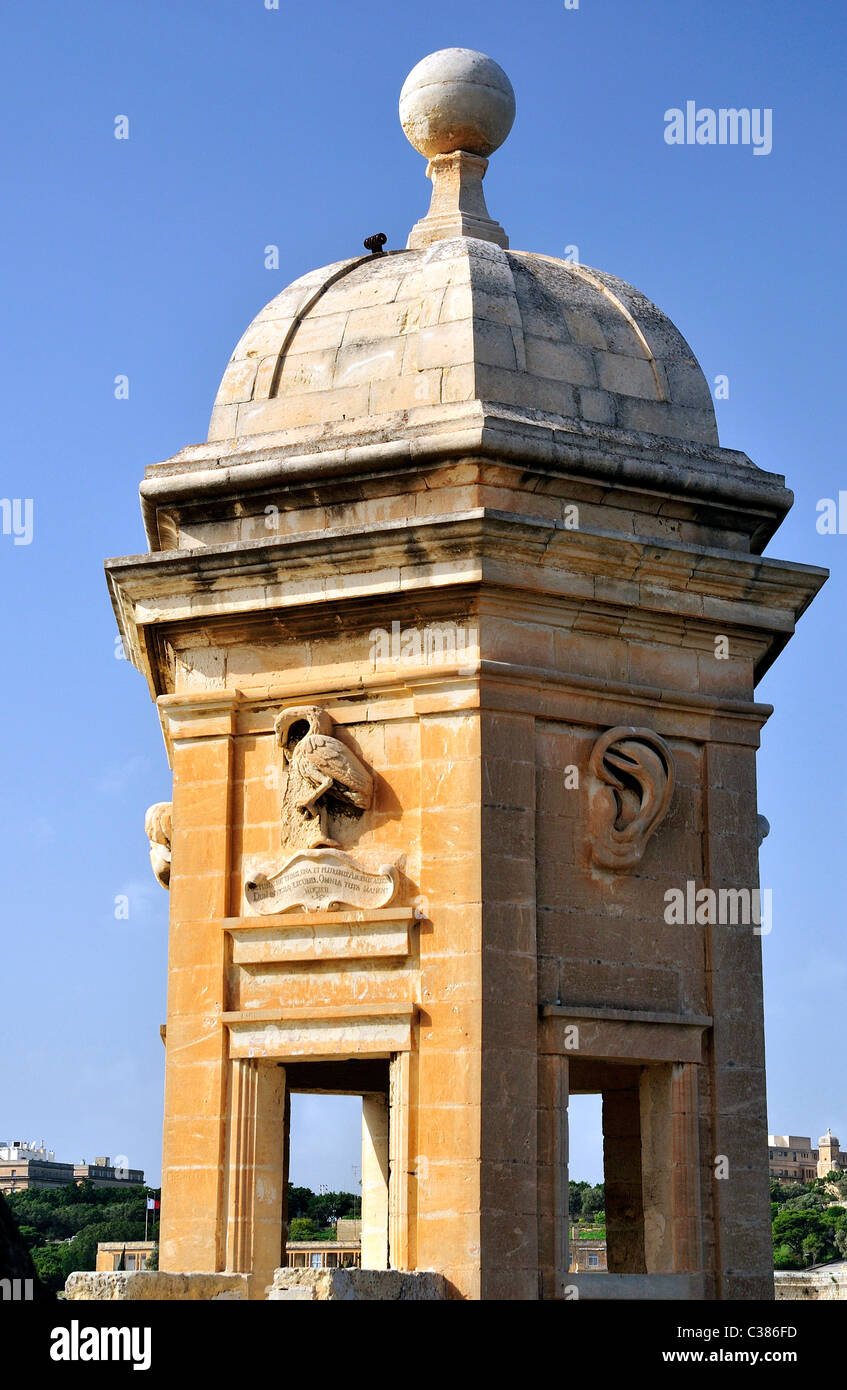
[
  {"x": 156, "y": 1286},
  {"x": 822, "y": 1284},
  {"x": 371, "y": 1285}
]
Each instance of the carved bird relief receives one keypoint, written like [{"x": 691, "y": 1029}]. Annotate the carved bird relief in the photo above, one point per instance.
[{"x": 323, "y": 777}]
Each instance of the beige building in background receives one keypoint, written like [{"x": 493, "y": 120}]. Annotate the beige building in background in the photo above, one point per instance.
[
  {"x": 588, "y": 1255},
  {"x": 453, "y": 626},
  {"x": 103, "y": 1173},
  {"x": 25, "y": 1165},
  {"x": 791, "y": 1157},
  {"x": 323, "y": 1254},
  {"x": 129, "y": 1255}
]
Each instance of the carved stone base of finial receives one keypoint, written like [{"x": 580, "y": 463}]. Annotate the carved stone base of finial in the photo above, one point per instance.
[{"x": 458, "y": 205}]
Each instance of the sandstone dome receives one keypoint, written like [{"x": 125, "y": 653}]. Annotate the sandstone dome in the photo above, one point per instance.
[
  {"x": 387, "y": 340},
  {"x": 462, "y": 320}
]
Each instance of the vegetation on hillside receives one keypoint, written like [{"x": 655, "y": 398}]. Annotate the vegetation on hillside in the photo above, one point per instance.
[
  {"x": 313, "y": 1215},
  {"x": 809, "y": 1222},
  {"x": 586, "y": 1209},
  {"x": 62, "y": 1226}
]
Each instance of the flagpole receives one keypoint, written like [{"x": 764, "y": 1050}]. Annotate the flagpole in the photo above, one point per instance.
[{"x": 146, "y": 1217}]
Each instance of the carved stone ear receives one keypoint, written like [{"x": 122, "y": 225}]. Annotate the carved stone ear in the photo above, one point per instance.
[{"x": 630, "y": 783}]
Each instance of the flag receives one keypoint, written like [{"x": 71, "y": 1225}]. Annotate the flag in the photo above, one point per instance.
[{"x": 152, "y": 1204}]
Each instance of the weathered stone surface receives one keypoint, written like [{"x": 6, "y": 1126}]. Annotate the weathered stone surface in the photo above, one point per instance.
[
  {"x": 621, "y": 818},
  {"x": 362, "y": 338},
  {"x": 158, "y": 829},
  {"x": 362, "y": 1285},
  {"x": 156, "y": 1286},
  {"x": 318, "y": 879},
  {"x": 824, "y": 1284},
  {"x": 611, "y": 1287},
  {"x": 457, "y": 99}
]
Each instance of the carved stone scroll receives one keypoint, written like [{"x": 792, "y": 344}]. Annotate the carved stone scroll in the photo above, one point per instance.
[
  {"x": 159, "y": 829},
  {"x": 319, "y": 880},
  {"x": 631, "y": 777}
]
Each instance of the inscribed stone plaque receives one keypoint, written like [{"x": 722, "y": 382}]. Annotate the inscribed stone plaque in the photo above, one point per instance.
[{"x": 318, "y": 880}]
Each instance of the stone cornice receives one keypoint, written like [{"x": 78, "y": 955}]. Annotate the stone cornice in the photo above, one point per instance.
[
  {"x": 579, "y": 1011},
  {"x": 655, "y": 580},
  {"x": 208, "y": 475},
  {"x": 622, "y": 1033}
]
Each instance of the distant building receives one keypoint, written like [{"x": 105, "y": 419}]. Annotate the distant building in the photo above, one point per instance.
[
  {"x": 791, "y": 1157},
  {"x": 24, "y": 1166},
  {"x": 587, "y": 1255},
  {"x": 345, "y": 1252},
  {"x": 101, "y": 1173},
  {"x": 124, "y": 1254},
  {"x": 323, "y": 1254}
]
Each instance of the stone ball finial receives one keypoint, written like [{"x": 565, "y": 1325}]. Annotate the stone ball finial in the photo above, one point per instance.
[{"x": 457, "y": 99}]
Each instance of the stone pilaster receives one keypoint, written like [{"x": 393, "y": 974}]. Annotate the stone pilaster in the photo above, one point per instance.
[{"x": 200, "y": 733}]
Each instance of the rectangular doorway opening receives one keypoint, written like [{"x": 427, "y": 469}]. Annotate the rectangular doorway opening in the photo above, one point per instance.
[
  {"x": 338, "y": 1119},
  {"x": 611, "y": 1094},
  {"x": 651, "y": 1178},
  {"x": 586, "y": 1195}
]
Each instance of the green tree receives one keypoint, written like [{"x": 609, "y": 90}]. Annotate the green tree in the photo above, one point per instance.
[
  {"x": 784, "y": 1191},
  {"x": 808, "y": 1201},
  {"x": 784, "y": 1258},
  {"x": 329, "y": 1207},
  {"x": 807, "y": 1235},
  {"x": 84, "y": 1245},
  {"x": 835, "y": 1217},
  {"x": 62, "y": 1226},
  {"x": 576, "y": 1192},
  {"x": 299, "y": 1200},
  {"x": 593, "y": 1201},
  {"x": 52, "y": 1265},
  {"x": 76, "y": 1193},
  {"x": 324, "y": 1208},
  {"x": 791, "y": 1228},
  {"x": 815, "y": 1248},
  {"x": 302, "y": 1228}
]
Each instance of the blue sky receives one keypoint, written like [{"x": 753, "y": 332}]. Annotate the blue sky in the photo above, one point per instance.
[{"x": 145, "y": 257}]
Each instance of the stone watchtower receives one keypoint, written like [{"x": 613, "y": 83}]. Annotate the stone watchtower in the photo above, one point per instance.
[
  {"x": 829, "y": 1154},
  {"x": 453, "y": 626}
]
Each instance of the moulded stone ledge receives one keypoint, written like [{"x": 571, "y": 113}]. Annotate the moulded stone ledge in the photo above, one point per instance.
[
  {"x": 607, "y": 1287},
  {"x": 154, "y": 1286},
  {"x": 372, "y": 1285}
]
